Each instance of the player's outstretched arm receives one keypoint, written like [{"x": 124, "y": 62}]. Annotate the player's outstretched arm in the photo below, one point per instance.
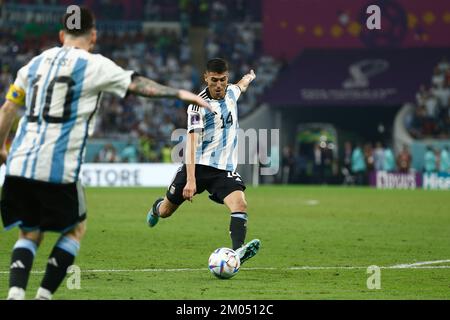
[
  {"x": 191, "y": 186},
  {"x": 145, "y": 87},
  {"x": 246, "y": 80},
  {"x": 8, "y": 113}
]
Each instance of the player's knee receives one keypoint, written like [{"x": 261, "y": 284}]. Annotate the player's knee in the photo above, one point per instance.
[
  {"x": 78, "y": 232},
  {"x": 241, "y": 206},
  {"x": 34, "y": 236}
]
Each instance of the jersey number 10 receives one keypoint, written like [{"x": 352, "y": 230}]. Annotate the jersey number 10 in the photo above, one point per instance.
[{"x": 48, "y": 100}]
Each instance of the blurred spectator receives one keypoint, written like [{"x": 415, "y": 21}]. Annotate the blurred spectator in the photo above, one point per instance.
[
  {"x": 166, "y": 153},
  {"x": 404, "y": 160},
  {"x": 445, "y": 160},
  {"x": 129, "y": 153},
  {"x": 346, "y": 163},
  {"x": 288, "y": 165},
  {"x": 421, "y": 95},
  {"x": 417, "y": 125},
  {"x": 379, "y": 157},
  {"x": 358, "y": 165},
  {"x": 319, "y": 165},
  {"x": 146, "y": 149},
  {"x": 166, "y": 129},
  {"x": 389, "y": 160},
  {"x": 442, "y": 95},
  {"x": 444, "y": 65},
  {"x": 301, "y": 169},
  {"x": 107, "y": 154},
  {"x": 347, "y": 158},
  {"x": 369, "y": 157},
  {"x": 431, "y": 105},
  {"x": 431, "y": 118},
  {"x": 429, "y": 160},
  {"x": 438, "y": 77}
]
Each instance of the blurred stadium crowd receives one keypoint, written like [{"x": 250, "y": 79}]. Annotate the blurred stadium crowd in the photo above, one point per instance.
[
  {"x": 355, "y": 163},
  {"x": 163, "y": 55},
  {"x": 166, "y": 55},
  {"x": 431, "y": 117}
]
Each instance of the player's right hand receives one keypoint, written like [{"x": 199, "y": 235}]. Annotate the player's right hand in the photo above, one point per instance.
[
  {"x": 194, "y": 99},
  {"x": 189, "y": 190}
]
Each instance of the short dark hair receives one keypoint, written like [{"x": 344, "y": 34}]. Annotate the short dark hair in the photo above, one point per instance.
[
  {"x": 217, "y": 65},
  {"x": 87, "y": 23}
]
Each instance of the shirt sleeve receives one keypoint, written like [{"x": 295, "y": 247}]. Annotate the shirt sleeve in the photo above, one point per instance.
[
  {"x": 195, "y": 119},
  {"x": 21, "y": 78},
  {"x": 112, "y": 78},
  {"x": 236, "y": 91}
]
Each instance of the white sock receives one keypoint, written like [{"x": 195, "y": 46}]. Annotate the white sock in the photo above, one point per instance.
[
  {"x": 16, "y": 293},
  {"x": 157, "y": 208},
  {"x": 43, "y": 294}
]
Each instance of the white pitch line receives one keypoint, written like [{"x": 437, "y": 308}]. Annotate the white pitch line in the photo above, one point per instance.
[
  {"x": 417, "y": 265},
  {"x": 421, "y": 263}
]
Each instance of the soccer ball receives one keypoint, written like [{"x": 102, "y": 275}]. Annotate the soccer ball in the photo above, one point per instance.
[{"x": 224, "y": 263}]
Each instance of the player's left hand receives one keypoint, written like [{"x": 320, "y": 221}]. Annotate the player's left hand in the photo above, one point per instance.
[
  {"x": 250, "y": 76},
  {"x": 189, "y": 190}
]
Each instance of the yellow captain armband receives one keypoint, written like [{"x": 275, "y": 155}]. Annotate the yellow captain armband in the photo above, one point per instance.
[{"x": 16, "y": 95}]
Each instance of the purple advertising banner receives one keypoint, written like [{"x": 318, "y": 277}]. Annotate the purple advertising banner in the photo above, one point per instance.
[
  {"x": 294, "y": 25},
  {"x": 355, "y": 77},
  {"x": 390, "y": 180}
]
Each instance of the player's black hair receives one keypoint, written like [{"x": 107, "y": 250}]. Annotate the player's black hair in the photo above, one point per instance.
[
  {"x": 87, "y": 23},
  {"x": 217, "y": 65}
]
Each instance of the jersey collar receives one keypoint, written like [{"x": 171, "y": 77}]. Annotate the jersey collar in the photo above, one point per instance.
[{"x": 211, "y": 98}]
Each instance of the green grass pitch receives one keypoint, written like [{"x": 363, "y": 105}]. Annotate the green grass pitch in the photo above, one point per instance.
[{"x": 317, "y": 243}]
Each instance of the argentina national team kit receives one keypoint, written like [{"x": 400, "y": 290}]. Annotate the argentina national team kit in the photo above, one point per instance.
[
  {"x": 63, "y": 88},
  {"x": 216, "y": 155}
]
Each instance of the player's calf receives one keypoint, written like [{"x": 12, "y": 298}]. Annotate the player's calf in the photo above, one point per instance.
[
  {"x": 238, "y": 229},
  {"x": 22, "y": 258},
  {"x": 238, "y": 222},
  {"x": 61, "y": 258},
  {"x": 163, "y": 208},
  {"x": 167, "y": 208}
]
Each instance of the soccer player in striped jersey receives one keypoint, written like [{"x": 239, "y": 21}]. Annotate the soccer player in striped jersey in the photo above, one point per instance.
[
  {"x": 211, "y": 157},
  {"x": 61, "y": 89}
]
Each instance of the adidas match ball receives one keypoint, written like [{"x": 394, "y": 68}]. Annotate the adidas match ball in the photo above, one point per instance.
[{"x": 224, "y": 263}]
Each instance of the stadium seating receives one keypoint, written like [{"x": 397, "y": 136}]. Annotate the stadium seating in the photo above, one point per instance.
[
  {"x": 161, "y": 54},
  {"x": 431, "y": 115}
]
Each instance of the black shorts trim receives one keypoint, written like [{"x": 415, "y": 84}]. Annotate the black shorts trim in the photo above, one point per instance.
[
  {"x": 35, "y": 205},
  {"x": 219, "y": 183}
]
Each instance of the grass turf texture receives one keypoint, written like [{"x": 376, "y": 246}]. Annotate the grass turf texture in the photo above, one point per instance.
[{"x": 348, "y": 227}]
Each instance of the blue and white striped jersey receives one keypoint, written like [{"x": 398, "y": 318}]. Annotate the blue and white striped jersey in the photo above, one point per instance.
[
  {"x": 217, "y": 145},
  {"x": 63, "y": 87}
]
